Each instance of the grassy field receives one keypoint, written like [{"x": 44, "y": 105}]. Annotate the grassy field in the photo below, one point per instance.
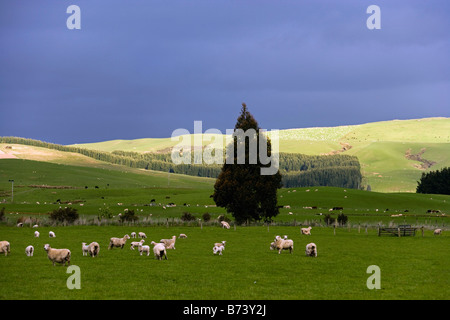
[
  {"x": 247, "y": 270},
  {"x": 120, "y": 189}
]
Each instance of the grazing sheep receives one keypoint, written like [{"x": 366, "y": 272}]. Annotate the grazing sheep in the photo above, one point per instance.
[
  {"x": 182, "y": 235},
  {"x": 58, "y": 255},
  {"x": 273, "y": 246},
  {"x": 218, "y": 249},
  {"x": 169, "y": 243},
  {"x": 118, "y": 242},
  {"x": 84, "y": 248},
  {"x": 133, "y": 234},
  {"x": 220, "y": 244},
  {"x": 143, "y": 248},
  {"x": 20, "y": 225},
  {"x": 51, "y": 234},
  {"x": 93, "y": 249},
  {"x": 35, "y": 226},
  {"x": 159, "y": 250},
  {"x": 135, "y": 244},
  {"x": 225, "y": 224},
  {"x": 36, "y": 234},
  {"x": 29, "y": 251},
  {"x": 283, "y": 244},
  {"x": 311, "y": 250},
  {"x": 5, "y": 247},
  {"x": 437, "y": 231},
  {"x": 142, "y": 235},
  {"x": 306, "y": 231}
]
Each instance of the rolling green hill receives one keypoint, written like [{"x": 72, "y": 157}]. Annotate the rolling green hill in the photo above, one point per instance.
[{"x": 379, "y": 146}]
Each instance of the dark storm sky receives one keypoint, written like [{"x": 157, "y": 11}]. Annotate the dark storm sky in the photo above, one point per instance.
[{"x": 143, "y": 68}]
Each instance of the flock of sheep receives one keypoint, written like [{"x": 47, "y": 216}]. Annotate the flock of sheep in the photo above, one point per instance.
[
  {"x": 63, "y": 255},
  {"x": 160, "y": 248}
]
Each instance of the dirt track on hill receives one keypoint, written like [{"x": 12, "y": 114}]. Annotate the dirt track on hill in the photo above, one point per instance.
[{"x": 418, "y": 157}]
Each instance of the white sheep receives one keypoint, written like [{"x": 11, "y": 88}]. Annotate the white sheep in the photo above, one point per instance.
[
  {"x": 273, "y": 246},
  {"x": 437, "y": 231},
  {"x": 51, "y": 234},
  {"x": 311, "y": 250},
  {"x": 283, "y": 244},
  {"x": 225, "y": 224},
  {"x": 118, "y": 242},
  {"x": 159, "y": 250},
  {"x": 20, "y": 225},
  {"x": 5, "y": 247},
  {"x": 84, "y": 248},
  {"x": 169, "y": 243},
  {"x": 182, "y": 235},
  {"x": 306, "y": 231},
  {"x": 58, "y": 255},
  {"x": 142, "y": 235},
  {"x": 36, "y": 234},
  {"x": 218, "y": 249},
  {"x": 220, "y": 244},
  {"x": 133, "y": 234},
  {"x": 29, "y": 251},
  {"x": 93, "y": 249},
  {"x": 135, "y": 244},
  {"x": 143, "y": 248},
  {"x": 35, "y": 226}
]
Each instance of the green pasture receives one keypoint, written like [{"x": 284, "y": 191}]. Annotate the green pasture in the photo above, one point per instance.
[
  {"x": 410, "y": 267},
  {"x": 119, "y": 190}
]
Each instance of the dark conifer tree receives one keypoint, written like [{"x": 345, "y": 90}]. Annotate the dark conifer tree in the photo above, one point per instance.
[
  {"x": 241, "y": 188},
  {"x": 437, "y": 182}
]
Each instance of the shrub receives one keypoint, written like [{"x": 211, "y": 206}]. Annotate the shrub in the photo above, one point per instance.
[
  {"x": 342, "y": 219},
  {"x": 67, "y": 214},
  {"x": 187, "y": 216},
  {"x": 104, "y": 212},
  {"x": 128, "y": 215},
  {"x": 206, "y": 217},
  {"x": 328, "y": 219}
]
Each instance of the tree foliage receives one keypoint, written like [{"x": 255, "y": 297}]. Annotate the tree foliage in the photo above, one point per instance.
[
  {"x": 128, "y": 215},
  {"x": 436, "y": 182},
  {"x": 67, "y": 214},
  {"x": 241, "y": 188}
]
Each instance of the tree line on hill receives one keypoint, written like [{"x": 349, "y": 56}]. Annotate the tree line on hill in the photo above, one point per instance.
[{"x": 297, "y": 170}]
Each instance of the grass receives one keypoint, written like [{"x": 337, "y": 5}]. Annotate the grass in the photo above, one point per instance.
[
  {"x": 120, "y": 189},
  {"x": 248, "y": 270}
]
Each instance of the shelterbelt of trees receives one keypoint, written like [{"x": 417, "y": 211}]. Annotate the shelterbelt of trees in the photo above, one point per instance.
[{"x": 297, "y": 170}]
